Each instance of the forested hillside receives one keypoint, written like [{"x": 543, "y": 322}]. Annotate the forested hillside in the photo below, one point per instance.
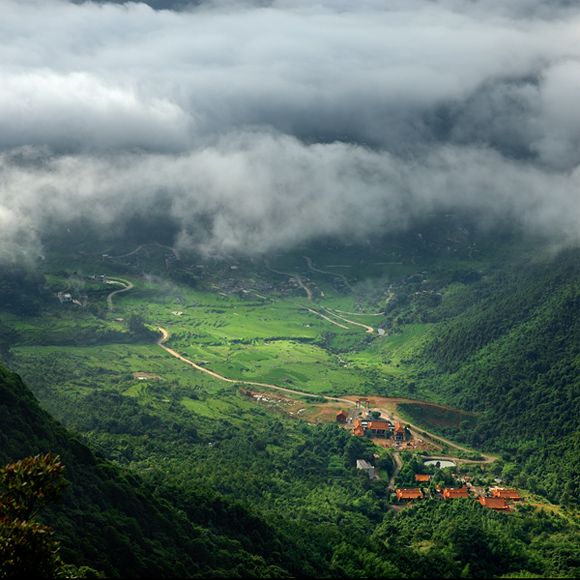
[
  {"x": 508, "y": 348},
  {"x": 333, "y": 525},
  {"x": 111, "y": 521}
]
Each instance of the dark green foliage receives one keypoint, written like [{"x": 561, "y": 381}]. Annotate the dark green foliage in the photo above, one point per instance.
[
  {"x": 138, "y": 329},
  {"x": 175, "y": 494},
  {"x": 8, "y": 336},
  {"x": 112, "y": 521},
  {"x": 183, "y": 276},
  {"x": 19, "y": 286},
  {"x": 27, "y": 486},
  {"x": 510, "y": 350}
]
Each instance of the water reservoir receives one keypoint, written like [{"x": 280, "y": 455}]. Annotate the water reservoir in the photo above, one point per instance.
[{"x": 442, "y": 462}]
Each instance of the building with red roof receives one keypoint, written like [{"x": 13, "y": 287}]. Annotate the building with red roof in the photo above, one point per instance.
[
  {"x": 452, "y": 493},
  {"x": 399, "y": 431},
  {"x": 494, "y": 503},
  {"x": 507, "y": 494},
  {"x": 409, "y": 494},
  {"x": 378, "y": 427},
  {"x": 358, "y": 429}
]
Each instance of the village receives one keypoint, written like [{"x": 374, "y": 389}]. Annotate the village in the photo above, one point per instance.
[{"x": 394, "y": 434}]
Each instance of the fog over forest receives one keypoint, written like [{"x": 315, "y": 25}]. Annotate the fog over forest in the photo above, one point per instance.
[{"x": 256, "y": 126}]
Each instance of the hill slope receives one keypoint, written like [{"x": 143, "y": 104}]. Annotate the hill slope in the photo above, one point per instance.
[
  {"x": 508, "y": 347},
  {"x": 111, "y": 521}
]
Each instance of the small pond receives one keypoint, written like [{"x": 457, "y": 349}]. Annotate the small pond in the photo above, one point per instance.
[{"x": 442, "y": 462}]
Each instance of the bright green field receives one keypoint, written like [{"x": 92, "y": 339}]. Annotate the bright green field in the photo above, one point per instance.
[{"x": 245, "y": 320}]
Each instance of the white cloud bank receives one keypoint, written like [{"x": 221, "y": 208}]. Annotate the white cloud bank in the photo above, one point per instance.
[{"x": 257, "y": 128}]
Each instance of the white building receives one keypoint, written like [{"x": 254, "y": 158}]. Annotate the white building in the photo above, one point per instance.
[{"x": 366, "y": 466}]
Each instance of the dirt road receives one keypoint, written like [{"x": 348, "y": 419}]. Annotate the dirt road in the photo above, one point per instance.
[
  {"x": 165, "y": 336},
  {"x": 350, "y": 400},
  {"x": 365, "y": 326},
  {"x": 398, "y": 467},
  {"x": 341, "y": 276},
  {"x": 127, "y": 286}
]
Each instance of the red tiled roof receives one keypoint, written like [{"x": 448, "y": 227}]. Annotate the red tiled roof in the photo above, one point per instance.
[
  {"x": 506, "y": 493},
  {"x": 494, "y": 503},
  {"x": 413, "y": 493},
  {"x": 450, "y": 493},
  {"x": 421, "y": 477}
]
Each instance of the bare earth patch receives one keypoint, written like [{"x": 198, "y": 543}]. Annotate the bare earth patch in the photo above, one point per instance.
[{"x": 147, "y": 376}]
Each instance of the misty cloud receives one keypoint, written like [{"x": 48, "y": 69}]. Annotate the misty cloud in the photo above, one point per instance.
[{"x": 257, "y": 127}]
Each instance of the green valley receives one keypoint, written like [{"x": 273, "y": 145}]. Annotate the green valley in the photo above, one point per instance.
[{"x": 217, "y": 381}]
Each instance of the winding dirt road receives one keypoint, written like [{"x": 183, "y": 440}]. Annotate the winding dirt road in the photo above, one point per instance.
[
  {"x": 415, "y": 430},
  {"x": 290, "y": 275},
  {"x": 398, "y": 467},
  {"x": 365, "y": 326},
  {"x": 165, "y": 336},
  {"x": 328, "y": 319},
  {"x": 127, "y": 286}
]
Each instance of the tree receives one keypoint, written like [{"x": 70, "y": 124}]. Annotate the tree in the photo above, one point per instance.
[
  {"x": 139, "y": 329},
  {"x": 26, "y": 547}
]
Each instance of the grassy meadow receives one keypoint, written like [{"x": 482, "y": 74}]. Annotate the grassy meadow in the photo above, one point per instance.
[{"x": 330, "y": 319}]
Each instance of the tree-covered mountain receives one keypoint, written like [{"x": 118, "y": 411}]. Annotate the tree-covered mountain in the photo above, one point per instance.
[
  {"x": 119, "y": 524},
  {"x": 507, "y": 347},
  {"x": 113, "y": 522}
]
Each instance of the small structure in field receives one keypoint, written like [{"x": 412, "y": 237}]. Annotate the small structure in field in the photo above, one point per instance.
[
  {"x": 101, "y": 278},
  {"x": 64, "y": 297},
  {"x": 342, "y": 416}
]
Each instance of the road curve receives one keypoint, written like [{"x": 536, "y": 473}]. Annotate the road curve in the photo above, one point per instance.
[
  {"x": 128, "y": 285},
  {"x": 365, "y": 326}
]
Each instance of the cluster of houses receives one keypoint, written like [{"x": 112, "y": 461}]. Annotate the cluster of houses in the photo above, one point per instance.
[
  {"x": 374, "y": 426},
  {"x": 499, "y": 500}
]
